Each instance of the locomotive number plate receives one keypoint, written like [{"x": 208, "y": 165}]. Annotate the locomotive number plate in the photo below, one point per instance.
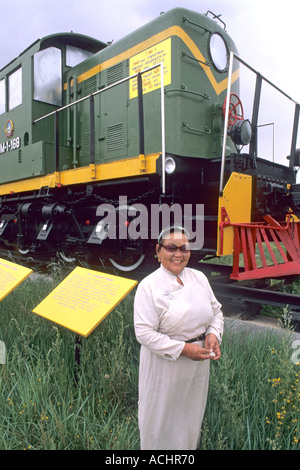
[{"x": 12, "y": 144}]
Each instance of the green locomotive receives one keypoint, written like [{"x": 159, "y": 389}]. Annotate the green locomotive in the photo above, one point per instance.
[{"x": 84, "y": 124}]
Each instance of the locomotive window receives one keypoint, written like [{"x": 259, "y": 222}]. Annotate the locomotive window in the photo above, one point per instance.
[
  {"x": 218, "y": 52},
  {"x": 74, "y": 55},
  {"x": 15, "y": 89},
  {"x": 2, "y": 96},
  {"x": 48, "y": 76}
]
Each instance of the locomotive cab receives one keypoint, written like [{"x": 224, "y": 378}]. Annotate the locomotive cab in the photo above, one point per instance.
[{"x": 31, "y": 86}]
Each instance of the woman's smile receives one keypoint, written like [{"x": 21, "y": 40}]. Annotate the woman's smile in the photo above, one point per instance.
[{"x": 173, "y": 253}]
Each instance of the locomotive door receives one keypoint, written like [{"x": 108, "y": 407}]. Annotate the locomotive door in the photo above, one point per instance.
[
  {"x": 113, "y": 110},
  {"x": 89, "y": 120},
  {"x": 72, "y": 120}
]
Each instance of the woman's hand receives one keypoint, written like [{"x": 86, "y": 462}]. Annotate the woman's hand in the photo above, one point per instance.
[
  {"x": 211, "y": 349},
  {"x": 213, "y": 345},
  {"x": 195, "y": 352}
]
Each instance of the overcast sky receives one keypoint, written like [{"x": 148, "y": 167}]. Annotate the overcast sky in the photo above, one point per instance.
[{"x": 262, "y": 29}]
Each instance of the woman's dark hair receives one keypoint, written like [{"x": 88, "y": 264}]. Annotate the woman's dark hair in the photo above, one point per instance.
[{"x": 173, "y": 229}]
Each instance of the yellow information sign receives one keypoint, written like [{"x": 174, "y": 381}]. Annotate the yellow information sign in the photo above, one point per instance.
[
  {"x": 84, "y": 299},
  {"x": 160, "y": 53},
  {"x": 11, "y": 275}
]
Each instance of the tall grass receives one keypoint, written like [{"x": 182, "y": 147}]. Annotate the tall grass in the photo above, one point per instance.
[
  {"x": 254, "y": 396},
  {"x": 253, "y": 402},
  {"x": 41, "y": 405}
]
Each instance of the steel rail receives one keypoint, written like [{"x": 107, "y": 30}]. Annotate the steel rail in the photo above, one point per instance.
[{"x": 255, "y": 295}]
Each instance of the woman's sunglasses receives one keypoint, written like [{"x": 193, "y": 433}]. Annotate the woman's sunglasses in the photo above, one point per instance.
[{"x": 174, "y": 248}]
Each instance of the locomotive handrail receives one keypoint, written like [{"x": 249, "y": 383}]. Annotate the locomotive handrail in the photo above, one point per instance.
[
  {"x": 185, "y": 18},
  {"x": 226, "y": 118},
  {"x": 183, "y": 90},
  {"x": 185, "y": 54},
  {"x": 264, "y": 78},
  {"x": 218, "y": 17},
  {"x": 98, "y": 92}
]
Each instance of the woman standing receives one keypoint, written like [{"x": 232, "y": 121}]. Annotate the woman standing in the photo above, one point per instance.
[{"x": 179, "y": 323}]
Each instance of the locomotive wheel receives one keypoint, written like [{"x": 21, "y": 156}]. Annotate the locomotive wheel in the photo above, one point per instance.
[
  {"x": 127, "y": 264},
  {"x": 66, "y": 258},
  {"x": 23, "y": 252}
]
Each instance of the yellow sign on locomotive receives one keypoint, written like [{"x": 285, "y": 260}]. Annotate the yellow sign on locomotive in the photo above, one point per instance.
[
  {"x": 84, "y": 299},
  {"x": 11, "y": 275},
  {"x": 159, "y": 53}
]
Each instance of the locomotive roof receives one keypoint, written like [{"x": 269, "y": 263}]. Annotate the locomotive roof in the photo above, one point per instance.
[
  {"x": 59, "y": 39},
  {"x": 72, "y": 39}
]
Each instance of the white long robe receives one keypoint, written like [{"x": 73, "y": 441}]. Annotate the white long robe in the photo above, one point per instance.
[{"x": 173, "y": 388}]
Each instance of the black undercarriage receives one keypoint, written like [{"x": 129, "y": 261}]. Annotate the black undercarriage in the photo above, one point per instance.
[{"x": 76, "y": 221}]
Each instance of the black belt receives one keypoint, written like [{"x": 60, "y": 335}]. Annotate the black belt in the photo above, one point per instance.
[{"x": 199, "y": 338}]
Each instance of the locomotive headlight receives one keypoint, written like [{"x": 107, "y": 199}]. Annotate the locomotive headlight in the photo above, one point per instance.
[
  {"x": 170, "y": 165},
  {"x": 218, "y": 52},
  {"x": 241, "y": 132}
]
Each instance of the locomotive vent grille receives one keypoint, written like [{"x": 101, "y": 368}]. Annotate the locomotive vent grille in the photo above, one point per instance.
[
  {"x": 115, "y": 73},
  {"x": 115, "y": 137},
  {"x": 86, "y": 144},
  {"x": 90, "y": 85}
]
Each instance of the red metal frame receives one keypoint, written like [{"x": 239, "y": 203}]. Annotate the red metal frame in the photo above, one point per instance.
[{"x": 285, "y": 236}]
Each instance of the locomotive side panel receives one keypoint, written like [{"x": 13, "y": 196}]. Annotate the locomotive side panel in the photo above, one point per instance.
[
  {"x": 15, "y": 123},
  {"x": 194, "y": 91}
]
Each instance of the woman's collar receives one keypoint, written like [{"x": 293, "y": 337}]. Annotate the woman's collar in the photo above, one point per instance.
[{"x": 172, "y": 274}]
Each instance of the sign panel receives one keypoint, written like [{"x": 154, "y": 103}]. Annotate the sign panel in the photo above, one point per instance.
[
  {"x": 83, "y": 299},
  {"x": 154, "y": 55},
  {"x": 11, "y": 275}
]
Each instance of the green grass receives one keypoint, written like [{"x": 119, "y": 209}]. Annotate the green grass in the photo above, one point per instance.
[
  {"x": 253, "y": 402},
  {"x": 254, "y": 397}
]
